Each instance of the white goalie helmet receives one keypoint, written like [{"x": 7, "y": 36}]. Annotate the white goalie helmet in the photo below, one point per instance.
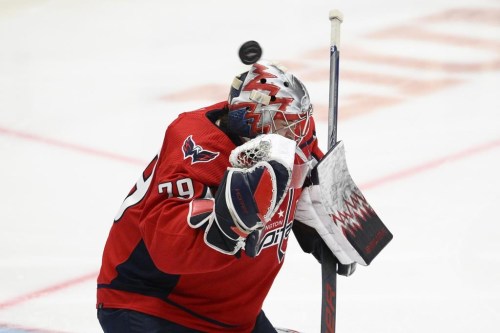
[{"x": 267, "y": 99}]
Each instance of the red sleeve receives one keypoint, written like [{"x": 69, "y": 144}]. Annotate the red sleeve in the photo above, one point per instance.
[
  {"x": 309, "y": 143},
  {"x": 174, "y": 246}
]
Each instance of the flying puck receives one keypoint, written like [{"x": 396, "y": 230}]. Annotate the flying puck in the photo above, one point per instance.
[{"x": 250, "y": 52}]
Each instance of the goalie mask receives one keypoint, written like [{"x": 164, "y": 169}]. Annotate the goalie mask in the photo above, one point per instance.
[{"x": 265, "y": 100}]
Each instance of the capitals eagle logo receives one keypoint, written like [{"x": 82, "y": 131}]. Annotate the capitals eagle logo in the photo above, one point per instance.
[{"x": 197, "y": 153}]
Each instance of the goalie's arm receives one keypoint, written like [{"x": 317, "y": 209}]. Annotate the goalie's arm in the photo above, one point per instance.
[
  {"x": 244, "y": 203},
  {"x": 248, "y": 195}
]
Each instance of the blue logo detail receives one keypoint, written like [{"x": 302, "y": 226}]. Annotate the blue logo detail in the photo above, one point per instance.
[{"x": 197, "y": 153}]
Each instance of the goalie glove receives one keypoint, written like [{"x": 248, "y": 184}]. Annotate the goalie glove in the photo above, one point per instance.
[{"x": 247, "y": 198}]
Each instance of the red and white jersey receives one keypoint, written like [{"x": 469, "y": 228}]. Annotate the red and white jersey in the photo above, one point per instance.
[{"x": 155, "y": 263}]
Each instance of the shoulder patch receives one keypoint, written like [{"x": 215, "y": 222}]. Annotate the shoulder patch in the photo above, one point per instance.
[{"x": 197, "y": 153}]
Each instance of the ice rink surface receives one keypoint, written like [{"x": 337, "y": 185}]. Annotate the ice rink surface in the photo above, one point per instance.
[{"x": 87, "y": 89}]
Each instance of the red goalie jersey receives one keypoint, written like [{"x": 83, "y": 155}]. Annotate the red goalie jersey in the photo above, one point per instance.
[{"x": 155, "y": 263}]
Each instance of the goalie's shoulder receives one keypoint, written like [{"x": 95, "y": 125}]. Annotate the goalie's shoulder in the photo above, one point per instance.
[
  {"x": 198, "y": 122},
  {"x": 201, "y": 114}
]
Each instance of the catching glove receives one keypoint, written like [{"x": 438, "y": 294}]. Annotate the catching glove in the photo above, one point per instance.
[{"x": 250, "y": 193}]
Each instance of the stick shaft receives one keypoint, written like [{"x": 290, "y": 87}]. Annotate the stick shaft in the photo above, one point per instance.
[
  {"x": 333, "y": 98},
  {"x": 328, "y": 260},
  {"x": 336, "y": 19},
  {"x": 328, "y": 289}
]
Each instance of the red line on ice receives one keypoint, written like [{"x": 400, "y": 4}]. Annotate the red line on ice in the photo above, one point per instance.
[
  {"x": 48, "y": 290},
  {"x": 69, "y": 146},
  {"x": 6, "y": 327},
  {"x": 432, "y": 164}
]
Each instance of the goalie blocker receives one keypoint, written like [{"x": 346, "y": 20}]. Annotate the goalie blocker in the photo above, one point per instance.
[{"x": 335, "y": 207}]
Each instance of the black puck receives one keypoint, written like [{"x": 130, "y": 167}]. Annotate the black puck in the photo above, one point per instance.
[{"x": 250, "y": 52}]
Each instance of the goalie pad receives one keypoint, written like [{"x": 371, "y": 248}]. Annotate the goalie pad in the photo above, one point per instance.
[
  {"x": 335, "y": 207},
  {"x": 245, "y": 201},
  {"x": 265, "y": 163},
  {"x": 248, "y": 196},
  {"x": 252, "y": 195}
]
